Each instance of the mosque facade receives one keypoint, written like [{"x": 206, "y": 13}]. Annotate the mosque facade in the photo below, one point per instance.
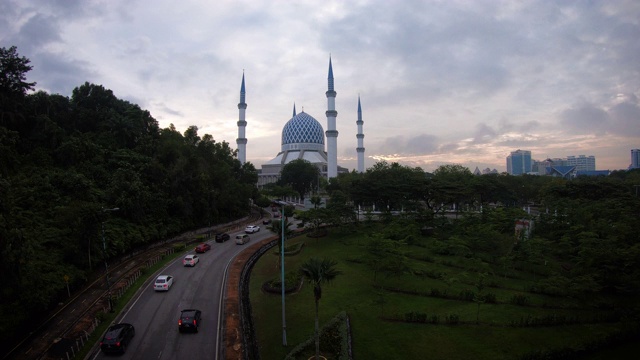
[{"x": 303, "y": 137}]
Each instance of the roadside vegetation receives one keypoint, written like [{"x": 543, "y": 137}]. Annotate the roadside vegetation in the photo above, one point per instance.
[
  {"x": 451, "y": 265},
  {"x": 64, "y": 160},
  {"x": 442, "y": 303}
]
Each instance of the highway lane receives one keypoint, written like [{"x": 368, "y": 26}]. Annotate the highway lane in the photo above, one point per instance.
[{"x": 155, "y": 314}]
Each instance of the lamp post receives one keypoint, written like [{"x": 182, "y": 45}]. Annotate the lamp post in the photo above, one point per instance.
[
  {"x": 106, "y": 264},
  {"x": 284, "y": 322}
]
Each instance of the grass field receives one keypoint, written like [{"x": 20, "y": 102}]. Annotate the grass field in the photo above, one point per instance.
[{"x": 378, "y": 310}]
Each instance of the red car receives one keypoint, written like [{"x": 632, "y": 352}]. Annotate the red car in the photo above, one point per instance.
[{"x": 204, "y": 247}]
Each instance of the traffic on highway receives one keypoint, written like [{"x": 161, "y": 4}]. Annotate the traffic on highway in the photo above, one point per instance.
[{"x": 160, "y": 314}]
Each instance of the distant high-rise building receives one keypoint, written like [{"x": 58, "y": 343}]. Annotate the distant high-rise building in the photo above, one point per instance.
[
  {"x": 519, "y": 162},
  {"x": 582, "y": 162},
  {"x": 635, "y": 159}
]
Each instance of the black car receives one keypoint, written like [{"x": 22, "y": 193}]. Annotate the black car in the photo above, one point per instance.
[
  {"x": 222, "y": 237},
  {"x": 117, "y": 338},
  {"x": 266, "y": 221},
  {"x": 189, "y": 320}
]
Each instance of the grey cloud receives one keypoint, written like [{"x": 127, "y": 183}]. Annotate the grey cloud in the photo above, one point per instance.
[
  {"x": 420, "y": 144},
  {"x": 484, "y": 134},
  {"x": 447, "y": 148},
  {"x": 523, "y": 142},
  {"x": 438, "y": 58},
  {"x": 625, "y": 119},
  {"x": 39, "y": 30},
  {"x": 585, "y": 119},
  {"x": 59, "y": 74},
  {"x": 164, "y": 108}
]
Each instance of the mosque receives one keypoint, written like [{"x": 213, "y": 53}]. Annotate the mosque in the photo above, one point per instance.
[{"x": 304, "y": 138}]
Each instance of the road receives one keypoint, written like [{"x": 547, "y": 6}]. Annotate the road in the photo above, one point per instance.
[{"x": 155, "y": 314}]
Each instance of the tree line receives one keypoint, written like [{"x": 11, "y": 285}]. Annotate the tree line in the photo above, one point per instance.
[{"x": 66, "y": 161}]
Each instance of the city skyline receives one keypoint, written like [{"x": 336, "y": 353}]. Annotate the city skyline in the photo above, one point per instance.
[{"x": 457, "y": 82}]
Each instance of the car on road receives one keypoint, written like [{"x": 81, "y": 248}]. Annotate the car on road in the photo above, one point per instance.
[
  {"x": 190, "y": 260},
  {"x": 276, "y": 215},
  {"x": 189, "y": 320},
  {"x": 266, "y": 221},
  {"x": 222, "y": 237},
  {"x": 117, "y": 338},
  {"x": 163, "y": 283},
  {"x": 252, "y": 229},
  {"x": 202, "y": 248},
  {"x": 242, "y": 239}
]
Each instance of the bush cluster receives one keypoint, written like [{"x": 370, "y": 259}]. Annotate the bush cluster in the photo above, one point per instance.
[
  {"x": 519, "y": 299},
  {"x": 555, "y": 320},
  {"x": 423, "y": 318},
  {"x": 334, "y": 340},
  {"x": 419, "y": 317}
]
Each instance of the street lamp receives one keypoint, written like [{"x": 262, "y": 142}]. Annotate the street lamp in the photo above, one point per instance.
[
  {"x": 284, "y": 322},
  {"x": 106, "y": 265}
]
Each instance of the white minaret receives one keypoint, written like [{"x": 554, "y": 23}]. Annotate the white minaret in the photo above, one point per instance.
[
  {"x": 360, "y": 136},
  {"x": 332, "y": 133},
  {"x": 242, "y": 140}
]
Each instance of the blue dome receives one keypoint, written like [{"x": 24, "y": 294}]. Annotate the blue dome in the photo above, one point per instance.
[{"x": 302, "y": 128}]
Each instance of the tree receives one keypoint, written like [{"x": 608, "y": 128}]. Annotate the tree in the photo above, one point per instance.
[
  {"x": 301, "y": 175},
  {"x": 479, "y": 297},
  {"x": 452, "y": 185},
  {"x": 13, "y": 86},
  {"x": 318, "y": 272},
  {"x": 12, "y": 72},
  {"x": 384, "y": 255}
]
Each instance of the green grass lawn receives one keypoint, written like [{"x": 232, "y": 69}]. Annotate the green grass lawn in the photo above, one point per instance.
[{"x": 372, "y": 310}]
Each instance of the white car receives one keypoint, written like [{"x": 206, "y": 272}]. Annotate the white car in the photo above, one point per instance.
[
  {"x": 190, "y": 260},
  {"x": 252, "y": 229},
  {"x": 163, "y": 283},
  {"x": 242, "y": 239}
]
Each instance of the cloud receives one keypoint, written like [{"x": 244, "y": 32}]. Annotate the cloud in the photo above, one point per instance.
[
  {"x": 402, "y": 145},
  {"x": 625, "y": 119},
  {"x": 58, "y": 74},
  {"x": 585, "y": 119},
  {"x": 440, "y": 81}
]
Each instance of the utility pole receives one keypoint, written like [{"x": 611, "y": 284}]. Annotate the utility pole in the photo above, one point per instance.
[{"x": 282, "y": 284}]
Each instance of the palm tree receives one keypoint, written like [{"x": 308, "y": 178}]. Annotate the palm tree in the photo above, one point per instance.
[{"x": 318, "y": 272}]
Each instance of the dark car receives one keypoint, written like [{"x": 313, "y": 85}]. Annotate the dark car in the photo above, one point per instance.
[
  {"x": 189, "y": 320},
  {"x": 222, "y": 237},
  {"x": 117, "y": 338},
  {"x": 204, "y": 247},
  {"x": 266, "y": 221}
]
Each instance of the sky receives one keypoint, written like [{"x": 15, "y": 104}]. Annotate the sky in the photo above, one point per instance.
[{"x": 440, "y": 82}]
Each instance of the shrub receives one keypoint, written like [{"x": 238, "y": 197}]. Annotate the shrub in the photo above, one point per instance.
[
  {"x": 490, "y": 298},
  {"x": 519, "y": 299},
  {"x": 467, "y": 295},
  {"x": 291, "y": 281},
  {"x": 334, "y": 339},
  {"x": 453, "y": 319}
]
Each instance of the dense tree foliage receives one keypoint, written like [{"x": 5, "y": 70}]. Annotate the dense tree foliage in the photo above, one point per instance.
[
  {"x": 589, "y": 224},
  {"x": 64, "y": 160},
  {"x": 301, "y": 176}
]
